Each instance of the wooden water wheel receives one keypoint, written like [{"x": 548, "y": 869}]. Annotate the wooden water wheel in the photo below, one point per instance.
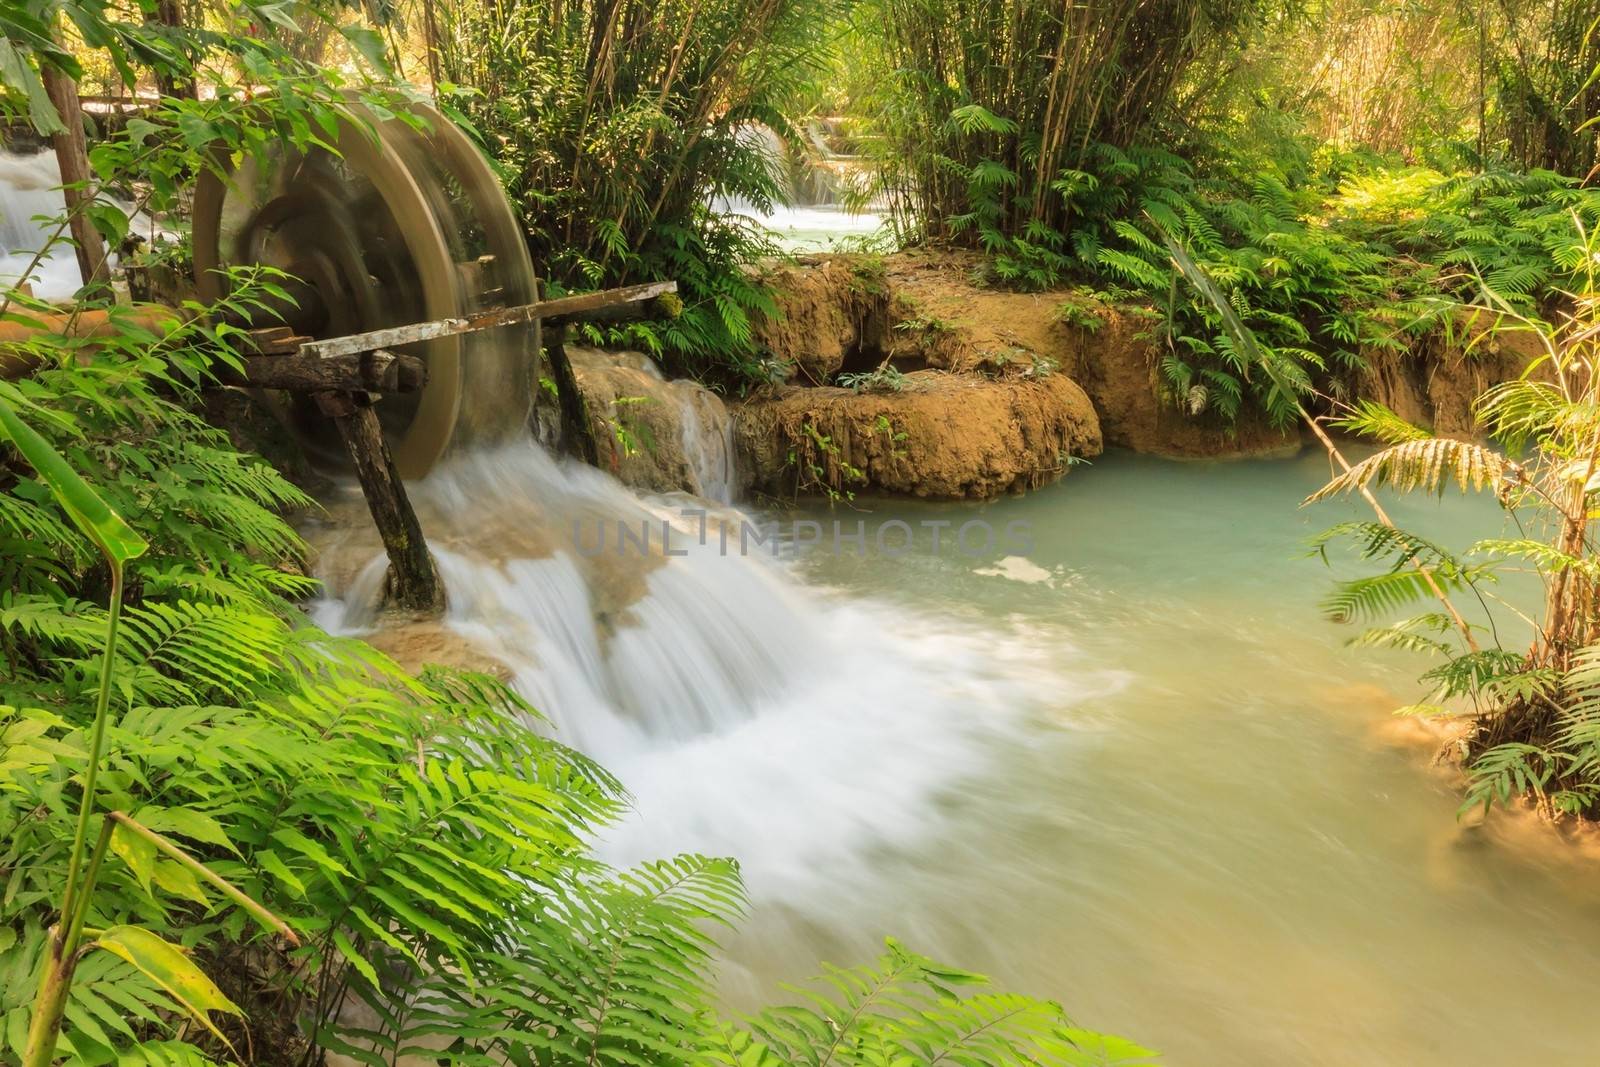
[{"x": 405, "y": 222}]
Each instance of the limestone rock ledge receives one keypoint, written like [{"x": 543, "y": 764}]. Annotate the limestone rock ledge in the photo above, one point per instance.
[{"x": 941, "y": 437}]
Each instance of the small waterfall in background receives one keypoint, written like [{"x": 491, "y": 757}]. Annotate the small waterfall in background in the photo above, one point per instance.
[
  {"x": 748, "y": 715},
  {"x": 813, "y": 216},
  {"x": 30, "y": 202},
  {"x": 30, "y": 186},
  {"x": 707, "y": 440}
]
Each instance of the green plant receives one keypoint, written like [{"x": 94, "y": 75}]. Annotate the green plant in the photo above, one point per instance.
[
  {"x": 882, "y": 426},
  {"x": 885, "y": 378},
  {"x": 908, "y": 1009},
  {"x": 164, "y": 963},
  {"x": 820, "y": 466},
  {"x": 1083, "y": 315},
  {"x": 987, "y": 111},
  {"x": 632, "y": 437},
  {"x": 427, "y": 847},
  {"x": 1534, "y": 709},
  {"x": 616, "y": 126}
]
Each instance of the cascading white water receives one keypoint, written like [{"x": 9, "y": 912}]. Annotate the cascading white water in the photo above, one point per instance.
[
  {"x": 30, "y": 187},
  {"x": 810, "y": 217},
  {"x": 749, "y": 715},
  {"x": 30, "y": 205},
  {"x": 707, "y": 437},
  {"x": 705, "y": 426}
]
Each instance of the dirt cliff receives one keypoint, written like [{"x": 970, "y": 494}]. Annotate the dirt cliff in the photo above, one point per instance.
[
  {"x": 944, "y": 319},
  {"x": 1434, "y": 383}
]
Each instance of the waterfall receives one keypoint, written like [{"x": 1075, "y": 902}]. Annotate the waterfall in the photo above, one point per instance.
[
  {"x": 30, "y": 186},
  {"x": 692, "y": 444},
  {"x": 30, "y": 204},
  {"x": 748, "y": 714},
  {"x": 707, "y": 437}
]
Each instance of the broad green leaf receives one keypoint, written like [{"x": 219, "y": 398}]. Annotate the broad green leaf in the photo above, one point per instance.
[
  {"x": 369, "y": 43},
  {"x": 186, "y": 823},
  {"x": 109, "y": 219},
  {"x": 91, "y": 514},
  {"x": 139, "y": 853},
  {"x": 180, "y": 881},
  {"x": 17, "y": 73},
  {"x": 353, "y": 955},
  {"x": 170, "y": 967}
]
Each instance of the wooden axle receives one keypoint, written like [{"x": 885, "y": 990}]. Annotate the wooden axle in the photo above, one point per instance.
[
  {"x": 343, "y": 372},
  {"x": 367, "y": 372}
]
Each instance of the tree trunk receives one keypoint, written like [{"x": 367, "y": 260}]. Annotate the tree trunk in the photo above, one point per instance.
[
  {"x": 73, "y": 156},
  {"x": 170, "y": 13}
]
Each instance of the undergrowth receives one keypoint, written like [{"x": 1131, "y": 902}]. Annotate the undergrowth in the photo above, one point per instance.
[
  {"x": 1534, "y": 705},
  {"x": 423, "y": 838},
  {"x": 1330, "y": 261},
  {"x": 617, "y": 128}
]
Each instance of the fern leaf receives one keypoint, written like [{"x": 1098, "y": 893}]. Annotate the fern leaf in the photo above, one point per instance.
[{"x": 1429, "y": 464}]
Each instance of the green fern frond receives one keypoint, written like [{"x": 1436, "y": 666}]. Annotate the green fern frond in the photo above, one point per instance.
[
  {"x": 1368, "y": 418},
  {"x": 1429, "y": 464}
]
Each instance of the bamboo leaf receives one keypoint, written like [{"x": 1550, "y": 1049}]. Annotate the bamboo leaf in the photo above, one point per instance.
[
  {"x": 91, "y": 514},
  {"x": 139, "y": 853},
  {"x": 170, "y": 967}
]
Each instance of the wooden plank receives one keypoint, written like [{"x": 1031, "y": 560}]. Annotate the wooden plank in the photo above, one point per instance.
[
  {"x": 566, "y": 307},
  {"x": 368, "y": 372}
]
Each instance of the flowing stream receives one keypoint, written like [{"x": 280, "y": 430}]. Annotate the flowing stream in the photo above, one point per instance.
[
  {"x": 1125, "y": 765},
  {"x": 1128, "y": 767}
]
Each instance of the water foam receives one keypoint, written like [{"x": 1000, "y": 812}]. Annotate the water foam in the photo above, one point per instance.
[{"x": 748, "y": 714}]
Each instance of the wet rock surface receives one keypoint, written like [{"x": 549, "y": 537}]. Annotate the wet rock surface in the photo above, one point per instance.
[{"x": 652, "y": 433}]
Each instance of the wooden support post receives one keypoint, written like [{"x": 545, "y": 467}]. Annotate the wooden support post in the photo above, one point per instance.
[
  {"x": 577, "y": 437},
  {"x": 413, "y": 582},
  {"x": 73, "y": 157}
]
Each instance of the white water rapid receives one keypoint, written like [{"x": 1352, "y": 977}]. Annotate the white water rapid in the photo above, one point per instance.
[
  {"x": 30, "y": 187},
  {"x": 748, "y": 715},
  {"x": 30, "y": 205}
]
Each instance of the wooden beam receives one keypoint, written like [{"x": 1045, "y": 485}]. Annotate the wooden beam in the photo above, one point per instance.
[
  {"x": 570, "y": 308},
  {"x": 366, "y": 372},
  {"x": 661, "y": 306}
]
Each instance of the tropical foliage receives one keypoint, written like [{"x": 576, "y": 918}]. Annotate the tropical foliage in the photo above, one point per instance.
[
  {"x": 1061, "y": 141},
  {"x": 423, "y": 842},
  {"x": 621, "y": 127},
  {"x": 1534, "y": 706},
  {"x": 227, "y": 835}
]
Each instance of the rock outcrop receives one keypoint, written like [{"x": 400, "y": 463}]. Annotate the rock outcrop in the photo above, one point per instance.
[
  {"x": 652, "y": 433},
  {"x": 943, "y": 319},
  {"x": 941, "y": 436},
  {"x": 833, "y": 316}
]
